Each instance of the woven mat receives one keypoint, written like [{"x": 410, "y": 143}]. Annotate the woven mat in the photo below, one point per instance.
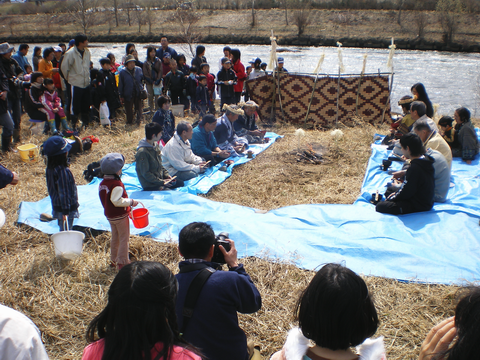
[{"x": 296, "y": 92}]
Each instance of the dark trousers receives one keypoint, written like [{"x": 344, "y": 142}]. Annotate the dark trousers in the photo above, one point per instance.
[
  {"x": 138, "y": 103},
  {"x": 394, "y": 207},
  {"x": 214, "y": 159},
  {"x": 226, "y": 100},
  {"x": 238, "y": 96},
  {"x": 15, "y": 107},
  {"x": 80, "y": 104},
  {"x": 178, "y": 98}
]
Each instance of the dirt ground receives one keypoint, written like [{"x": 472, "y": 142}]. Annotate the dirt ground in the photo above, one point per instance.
[
  {"x": 63, "y": 297},
  {"x": 362, "y": 24}
]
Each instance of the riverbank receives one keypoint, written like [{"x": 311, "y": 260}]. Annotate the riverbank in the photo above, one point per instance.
[{"x": 353, "y": 28}]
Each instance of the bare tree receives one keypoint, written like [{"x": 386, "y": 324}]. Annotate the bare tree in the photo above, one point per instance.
[
  {"x": 421, "y": 23},
  {"x": 189, "y": 33},
  {"x": 140, "y": 17},
  {"x": 252, "y": 24},
  {"x": 301, "y": 19},
  {"x": 83, "y": 13},
  {"x": 448, "y": 12},
  {"x": 115, "y": 9}
]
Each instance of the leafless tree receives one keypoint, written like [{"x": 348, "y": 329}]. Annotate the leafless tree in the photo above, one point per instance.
[
  {"x": 189, "y": 33},
  {"x": 448, "y": 12},
  {"x": 421, "y": 23},
  {"x": 301, "y": 19},
  {"x": 83, "y": 13},
  {"x": 140, "y": 17}
]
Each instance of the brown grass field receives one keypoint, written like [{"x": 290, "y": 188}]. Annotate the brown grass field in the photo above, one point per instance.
[{"x": 63, "y": 297}]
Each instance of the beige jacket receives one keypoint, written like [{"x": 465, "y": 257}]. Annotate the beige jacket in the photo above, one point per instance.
[
  {"x": 177, "y": 156},
  {"x": 76, "y": 68}
]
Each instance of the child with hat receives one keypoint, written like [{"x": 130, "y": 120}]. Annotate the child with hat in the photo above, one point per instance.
[
  {"x": 60, "y": 181},
  {"x": 117, "y": 206}
]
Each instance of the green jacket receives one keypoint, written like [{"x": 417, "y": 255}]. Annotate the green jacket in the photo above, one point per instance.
[{"x": 149, "y": 167}]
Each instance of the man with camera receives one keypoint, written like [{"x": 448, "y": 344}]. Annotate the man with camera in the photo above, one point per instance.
[{"x": 208, "y": 298}]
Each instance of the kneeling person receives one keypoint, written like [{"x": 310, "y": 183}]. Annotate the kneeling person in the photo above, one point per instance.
[
  {"x": 177, "y": 156},
  {"x": 151, "y": 174},
  {"x": 417, "y": 191},
  {"x": 213, "y": 326}
]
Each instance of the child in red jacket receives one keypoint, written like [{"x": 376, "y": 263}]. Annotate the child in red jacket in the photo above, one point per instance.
[
  {"x": 205, "y": 70},
  {"x": 117, "y": 206}
]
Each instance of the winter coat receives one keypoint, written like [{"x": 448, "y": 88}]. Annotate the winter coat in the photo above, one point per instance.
[
  {"x": 246, "y": 122},
  {"x": 153, "y": 72},
  {"x": 106, "y": 89},
  {"x": 203, "y": 142},
  {"x": 46, "y": 68},
  {"x": 442, "y": 175},
  {"x": 177, "y": 156},
  {"x": 50, "y": 100},
  {"x": 167, "y": 120},
  {"x": 224, "y": 131},
  {"x": 201, "y": 95},
  {"x": 241, "y": 76},
  {"x": 191, "y": 86},
  {"x": 3, "y": 87},
  {"x": 222, "y": 77},
  {"x": 14, "y": 74},
  {"x": 76, "y": 68},
  {"x": 468, "y": 140},
  {"x": 6, "y": 176},
  {"x": 128, "y": 86},
  {"x": 197, "y": 61},
  {"x": 149, "y": 167},
  {"x": 21, "y": 60},
  {"x": 32, "y": 98},
  {"x": 171, "y": 51},
  {"x": 174, "y": 82}
]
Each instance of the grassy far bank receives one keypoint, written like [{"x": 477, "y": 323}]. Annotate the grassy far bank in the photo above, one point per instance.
[
  {"x": 62, "y": 298},
  {"x": 363, "y": 28}
]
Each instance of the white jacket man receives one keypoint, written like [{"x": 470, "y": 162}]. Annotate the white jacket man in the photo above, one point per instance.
[{"x": 177, "y": 156}]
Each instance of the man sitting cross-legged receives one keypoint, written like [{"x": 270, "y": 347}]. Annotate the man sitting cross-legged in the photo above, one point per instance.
[
  {"x": 177, "y": 156},
  {"x": 213, "y": 324},
  {"x": 225, "y": 132},
  {"x": 204, "y": 143},
  {"x": 151, "y": 174},
  {"x": 417, "y": 191}
]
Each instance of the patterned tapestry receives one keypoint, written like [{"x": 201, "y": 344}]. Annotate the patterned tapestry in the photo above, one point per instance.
[{"x": 296, "y": 92}]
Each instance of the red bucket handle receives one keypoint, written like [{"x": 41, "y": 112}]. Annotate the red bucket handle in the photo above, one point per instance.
[{"x": 131, "y": 209}]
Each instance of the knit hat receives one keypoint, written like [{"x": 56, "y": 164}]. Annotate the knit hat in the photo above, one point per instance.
[
  {"x": 5, "y": 48},
  {"x": 56, "y": 145},
  {"x": 208, "y": 119},
  {"x": 112, "y": 163},
  {"x": 129, "y": 58}
]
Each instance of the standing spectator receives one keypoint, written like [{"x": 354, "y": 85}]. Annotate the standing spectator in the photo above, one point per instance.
[
  {"x": 200, "y": 56},
  {"x": 205, "y": 70},
  {"x": 175, "y": 84},
  {"x": 202, "y": 97},
  {"x": 226, "y": 53},
  {"x": 280, "y": 67},
  {"x": 182, "y": 64},
  {"x": 5, "y": 119},
  {"x": 36, "y": 57},
  {"x": 107, "y": 89},
  {"x": 63, "y": 47},
  {"x": 166, "y": 49},
  {"x": 165, "y": 118},
  {"x": 130, "y": 87},
  {"x": 14, "y": 74},
  {"x": 128, "y": 51},
  {"x": 137, "y": 61},
  {"x": 114, "y": 65},
  {"x": 240, "y": 72},
  {"x": 7, "y": 177},
  {"x": 166, "y": 64},
  {"x": 75, "y": 68},
  {"x": 226, "y": 79},
  {"x": 256, "y": 71},
  {"x": 21, "y": 56},
  {"x": 191, "y": 86},
  {"x": 57, "y": 80},
  {"x": 467, "y": 136},
  {"x": 45, "y": 65},
  {"x": 152, "y": 73}
]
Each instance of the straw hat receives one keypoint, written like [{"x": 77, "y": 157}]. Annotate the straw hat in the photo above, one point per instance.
[
  {"x": 234, "y": 109},
  {"x": 250, "y": 103}
]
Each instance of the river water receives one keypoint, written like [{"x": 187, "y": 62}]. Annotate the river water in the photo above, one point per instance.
[{"x": 451, "y": 79}]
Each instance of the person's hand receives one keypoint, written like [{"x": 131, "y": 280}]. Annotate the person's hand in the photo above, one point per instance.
[
  {"x": 55, "y": 110},
  {"x": 3, "y": 95},
  {"x": 230, "y": 82},
  {"x": 15, "y": 178},
  {"x": 134, "y": 203},
  {"x": 399, "y": 175},
  {"x": 438, "y": 339},
  {"x": 224, "y": 154},
  {"x": 230, "y": 256},
  {"x": 55, "y": 70},
  {"x": 469, "y": 162},
  {"x": 256, "y": 133}
]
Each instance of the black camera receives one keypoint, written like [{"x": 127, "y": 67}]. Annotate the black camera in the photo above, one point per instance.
[{"x": 220, "y": 239}]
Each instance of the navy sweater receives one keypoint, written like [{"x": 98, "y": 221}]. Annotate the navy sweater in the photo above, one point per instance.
[{"x": 214, "y": 325}]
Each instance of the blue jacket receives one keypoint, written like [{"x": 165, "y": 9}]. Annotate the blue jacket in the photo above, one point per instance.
[
  {"x": 21, "y": 60},
  {"x": 214, "y": 325},
  {"x": 171, "y": 51},
  {"x": 203, "y": 143},
  {"x": 202, "y": 95},
  {"x": 6, "y": 177},
  {"x": 167, "y": 120},
  {"x": 224, "y": 130},
  {"x": 127, "y": 86}
]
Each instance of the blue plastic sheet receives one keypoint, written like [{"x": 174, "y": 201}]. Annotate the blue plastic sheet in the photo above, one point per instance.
[{"x": 439, "y": 246}]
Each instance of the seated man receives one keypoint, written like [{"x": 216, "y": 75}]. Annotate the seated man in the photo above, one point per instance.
[
  {"x": 467, "y": 137},
  {"x": 150, "y": 172},
  {"x": 213, "y": 325},
  {"x": 204, "y": 143},
  {"x": 177, "y": 156},
  {"x": 418, "y": 113},
  {"x": 433, "y": 140},
  {"x": 225, "y": 133},
  {"x": 246, "y": 125},
  {"x": 417, "y": 191}
]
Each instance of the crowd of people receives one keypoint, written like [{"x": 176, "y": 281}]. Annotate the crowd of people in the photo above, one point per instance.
[
  {"x": 61, "y": 85},
  {"x": 426, "y": 151}
]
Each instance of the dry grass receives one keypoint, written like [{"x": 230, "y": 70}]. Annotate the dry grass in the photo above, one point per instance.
[{"x": 61, "y": 298}]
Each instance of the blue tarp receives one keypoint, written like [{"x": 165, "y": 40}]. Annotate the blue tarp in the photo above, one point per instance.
[{"x": 440, "y": 246}]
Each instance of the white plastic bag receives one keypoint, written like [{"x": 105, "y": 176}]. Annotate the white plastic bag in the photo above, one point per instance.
[
  {"x": 104, "y": 114},
  {"x": 157, "y": 89}
]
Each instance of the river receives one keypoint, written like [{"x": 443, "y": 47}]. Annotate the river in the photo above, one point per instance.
[{"x": 451, "y": 79}]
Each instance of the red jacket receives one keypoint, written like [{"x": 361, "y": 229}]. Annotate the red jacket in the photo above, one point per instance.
[
  {"x": 111, "y": 211},
  {"x": 210, "y": 85},
  {"x": 241, "y": 76}
]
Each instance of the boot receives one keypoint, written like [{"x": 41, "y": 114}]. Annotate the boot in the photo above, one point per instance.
[
  {"x": 53, "y": 129},
  {"x": 6, "y": 140},
  {"x": 16, "y": 135},
  {"x": 65, "y": 124}
]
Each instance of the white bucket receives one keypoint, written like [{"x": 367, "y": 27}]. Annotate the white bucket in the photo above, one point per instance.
[
  {"x": 68, "y": 244},
  {"x": 177, "y": 110}
]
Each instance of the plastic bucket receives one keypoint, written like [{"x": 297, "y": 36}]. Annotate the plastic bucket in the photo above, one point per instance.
[
  {"x": 139, "y": 217},
  {"x": 68, "y": 244},
  {"x": 28, "y": 152},
  {"x": 177, "y": 110}
]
